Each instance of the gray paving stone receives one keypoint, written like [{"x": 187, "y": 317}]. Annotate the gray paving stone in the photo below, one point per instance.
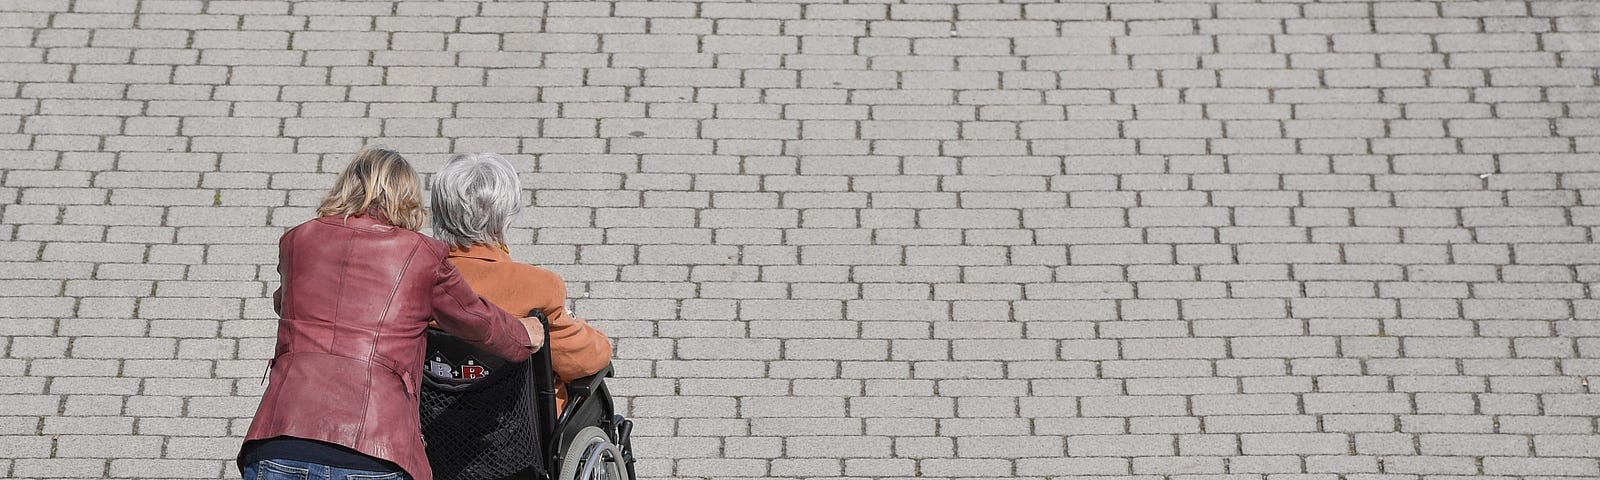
[{"x": 1052, "y": 240}]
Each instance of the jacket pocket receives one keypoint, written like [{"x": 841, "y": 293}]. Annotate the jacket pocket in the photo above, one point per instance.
[
  {"x": 408, "y": 380},
  {"x": 410, "y": 383}
]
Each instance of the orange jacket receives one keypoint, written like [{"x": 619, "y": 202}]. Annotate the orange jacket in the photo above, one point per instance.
[{"x": 576, "y": 349}]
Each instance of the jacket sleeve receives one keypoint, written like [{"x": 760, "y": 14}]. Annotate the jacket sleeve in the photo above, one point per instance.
[
  {"x": 461, "y": 312},
  {"x": 577, "y": 349}
]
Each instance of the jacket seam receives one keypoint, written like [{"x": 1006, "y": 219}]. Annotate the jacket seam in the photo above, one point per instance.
[
  {"x": 366, "y": 403},
  {"x": 346, "y": 224},
  {"x": 344, "y": 268},
  {"x": 488, "y": 321},
  {"x": 389, "y": 304}
]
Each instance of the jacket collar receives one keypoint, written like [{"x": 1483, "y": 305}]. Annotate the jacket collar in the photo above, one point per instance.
[
  {"x": 373, "y": 219},
  {"x": 483, "y": 252}
]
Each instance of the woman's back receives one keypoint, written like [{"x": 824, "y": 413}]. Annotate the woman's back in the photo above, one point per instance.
[{"x": 348, "y": 277}]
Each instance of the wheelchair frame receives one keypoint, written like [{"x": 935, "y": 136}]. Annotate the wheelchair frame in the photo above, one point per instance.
[{"x": 581, "y": 393}]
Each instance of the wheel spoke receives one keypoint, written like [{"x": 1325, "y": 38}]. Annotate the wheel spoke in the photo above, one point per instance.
[
  {"x": 592, "y": 456},
  {"x": 591, "y": 459}
]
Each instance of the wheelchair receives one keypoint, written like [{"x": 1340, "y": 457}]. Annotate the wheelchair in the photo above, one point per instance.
[{"x": 487, "y": 419}]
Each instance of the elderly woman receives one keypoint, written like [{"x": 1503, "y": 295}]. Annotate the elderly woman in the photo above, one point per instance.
[
  {"x": 359, "y": 285},
  {"x": 475, "y": 196}
]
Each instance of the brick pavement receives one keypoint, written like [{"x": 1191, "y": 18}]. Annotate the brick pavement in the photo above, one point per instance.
[{"x": 1192, "y": 240}]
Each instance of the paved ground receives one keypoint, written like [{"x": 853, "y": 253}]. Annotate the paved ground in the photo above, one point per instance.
[{"x": 1183, "y": 240}]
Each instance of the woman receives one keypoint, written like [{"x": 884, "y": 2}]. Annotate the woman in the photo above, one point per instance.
[
  {"x": 475, "y": 197},
  {"x": 359, "y": 285}
]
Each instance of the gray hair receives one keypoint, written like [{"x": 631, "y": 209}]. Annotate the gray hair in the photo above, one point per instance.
[{"x": 475, "y": 196}]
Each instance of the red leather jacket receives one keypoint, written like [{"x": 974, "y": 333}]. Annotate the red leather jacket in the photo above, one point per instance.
[{"x": 356, "y": 296}]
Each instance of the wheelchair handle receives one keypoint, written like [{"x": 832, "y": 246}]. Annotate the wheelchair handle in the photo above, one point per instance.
[{"x": 544, "y": 380}]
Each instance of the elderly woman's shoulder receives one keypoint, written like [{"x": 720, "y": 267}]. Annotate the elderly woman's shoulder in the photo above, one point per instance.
[{"x": 535, "y": 273}]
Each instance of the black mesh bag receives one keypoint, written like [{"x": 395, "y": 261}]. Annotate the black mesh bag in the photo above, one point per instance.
[{"x": 478, "y": 414}]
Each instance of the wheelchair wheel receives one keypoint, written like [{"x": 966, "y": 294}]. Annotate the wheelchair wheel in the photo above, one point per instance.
[{"x": 592, "y": 456}]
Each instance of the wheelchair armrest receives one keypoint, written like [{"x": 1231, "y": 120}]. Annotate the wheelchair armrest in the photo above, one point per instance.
[{"x": 583, "y": 387}]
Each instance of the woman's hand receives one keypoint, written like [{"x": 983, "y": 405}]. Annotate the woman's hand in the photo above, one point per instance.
[{"x": 535, "y": 333}]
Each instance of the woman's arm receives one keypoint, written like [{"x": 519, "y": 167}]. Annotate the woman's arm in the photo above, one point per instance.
[{"x": 464, "y": 314}]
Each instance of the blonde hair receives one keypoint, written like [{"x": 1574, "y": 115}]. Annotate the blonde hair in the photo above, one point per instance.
[{"x": 377, "y": 178}]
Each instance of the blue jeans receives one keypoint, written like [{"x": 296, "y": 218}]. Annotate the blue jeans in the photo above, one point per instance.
[{"x": 278, "y": 469}]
